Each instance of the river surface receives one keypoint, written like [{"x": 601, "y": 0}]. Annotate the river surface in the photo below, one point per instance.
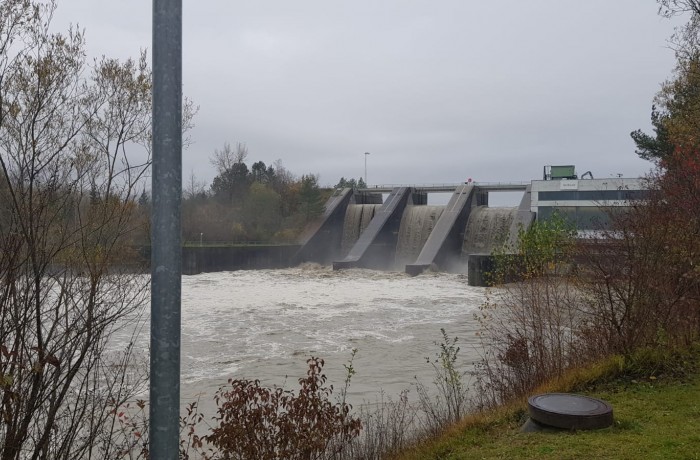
[{"x": 264, "y": 324}]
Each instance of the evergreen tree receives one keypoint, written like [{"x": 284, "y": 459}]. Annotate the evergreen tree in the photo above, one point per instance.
[
  {"x": 657, "y": 146},
  {"x": 310, "y": 201}
]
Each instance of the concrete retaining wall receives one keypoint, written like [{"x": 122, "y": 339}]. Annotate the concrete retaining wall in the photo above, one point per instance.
[
  {"x": 216, "y": 259},
  {"x": 213, "y": 259}
]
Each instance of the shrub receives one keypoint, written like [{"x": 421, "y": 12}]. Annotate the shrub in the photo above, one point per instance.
[
  {"x": 388, "y": 426},
  {"x": 253, "y": 421},
  {"x": 528, "y": 328},
  {"x": 545, "y": 248},
  {"x": 450, "y": 403},
  {"x": 528, "y": 333}
]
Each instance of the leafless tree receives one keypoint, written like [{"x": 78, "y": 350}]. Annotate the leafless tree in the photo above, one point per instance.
[
  {"x": 225, "y": 158},
  {"x": 685, "y": 40},
  {"x": 670, "y": 8},
  {"x": 194, "y": 187},
  {"x": 74, "y": 152}
]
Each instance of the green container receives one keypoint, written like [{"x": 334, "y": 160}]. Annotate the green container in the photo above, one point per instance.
[{"x": 563, "y": 172}]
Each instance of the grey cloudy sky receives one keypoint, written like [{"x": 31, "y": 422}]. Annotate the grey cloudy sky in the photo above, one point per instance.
[{"x": 437, "y": 91}]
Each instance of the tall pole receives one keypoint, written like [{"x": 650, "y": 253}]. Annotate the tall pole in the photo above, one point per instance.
[
  {"x": 366, "y": 183},
  {"x": 166, "y": 247}
]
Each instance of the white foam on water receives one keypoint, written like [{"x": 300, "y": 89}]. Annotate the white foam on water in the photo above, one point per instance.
[
  {"x": 268, "y": 322},
  {"x": 265, "y": 324}
]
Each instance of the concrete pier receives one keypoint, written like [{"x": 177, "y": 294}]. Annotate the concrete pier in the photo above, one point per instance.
[
  {"x": 376, "y": 245},
  {"x": 321, "y": 242},
  {"x": 445, "y": 241}
]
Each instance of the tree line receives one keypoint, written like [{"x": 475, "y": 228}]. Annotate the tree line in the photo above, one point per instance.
[
  {"x": 262, "y": 203},
  {"x": 257, "y": 203}
]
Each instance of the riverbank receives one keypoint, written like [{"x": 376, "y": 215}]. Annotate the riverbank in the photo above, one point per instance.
[{"x": 655, "y": 405}]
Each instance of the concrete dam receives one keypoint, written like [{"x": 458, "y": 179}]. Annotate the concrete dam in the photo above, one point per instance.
[{"x": 361, "y": 229}]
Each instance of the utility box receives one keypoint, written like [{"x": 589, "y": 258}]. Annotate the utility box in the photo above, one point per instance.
[{"x": 559, "y": 172}]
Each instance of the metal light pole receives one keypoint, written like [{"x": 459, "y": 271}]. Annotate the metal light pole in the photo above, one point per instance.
[
  {"x": 166, "y": 261},
  {"x": 366, "y": 183}
]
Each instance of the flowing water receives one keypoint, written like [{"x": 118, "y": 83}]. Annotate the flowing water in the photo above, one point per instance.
[
  {"x": 416, "y": 224},
  {"x": 357, "y": 218},
  {"x": 264, "y": 324},
  {"x": 487, "y": 228}
]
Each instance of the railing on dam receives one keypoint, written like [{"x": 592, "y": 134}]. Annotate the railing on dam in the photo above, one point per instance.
[
  {"x": 449, "y": 188},
  {"x": 232, "y": 243}
]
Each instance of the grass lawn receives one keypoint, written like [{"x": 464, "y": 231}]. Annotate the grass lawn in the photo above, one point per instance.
[{"x": 654, "y": 419}]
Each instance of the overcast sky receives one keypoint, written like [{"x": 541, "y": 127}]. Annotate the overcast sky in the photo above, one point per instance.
[{"x": 436, "y": 91}]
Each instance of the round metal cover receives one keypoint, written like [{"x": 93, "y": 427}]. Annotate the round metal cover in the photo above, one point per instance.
[{"x": 569, "y": 411}]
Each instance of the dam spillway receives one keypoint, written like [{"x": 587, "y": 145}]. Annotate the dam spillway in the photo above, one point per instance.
[
  {"x": 416, "y": 225},
  {"x": 488, "y": 229},
  {"x": 357, "y": 218},
  {"x": 403, "y": 232},
  {"x": 376, "y": 246}
]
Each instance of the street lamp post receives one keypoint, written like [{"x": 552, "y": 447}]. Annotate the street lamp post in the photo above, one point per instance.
[{"x": 366, "y": 184}]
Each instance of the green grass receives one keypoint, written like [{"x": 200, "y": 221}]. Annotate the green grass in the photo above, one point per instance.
[{"x": 655, "y": 418}]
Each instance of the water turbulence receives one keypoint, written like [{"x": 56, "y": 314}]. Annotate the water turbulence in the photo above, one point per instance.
[
  {"x": 232, "y": 328},
  {"x": 416, "y": 224},
  {"x": 357, "y": 218},
  {"x": 487, "y": 229}
]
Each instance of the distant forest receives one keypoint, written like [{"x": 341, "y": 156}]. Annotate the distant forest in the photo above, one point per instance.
[{"x": 257, "y": 203}]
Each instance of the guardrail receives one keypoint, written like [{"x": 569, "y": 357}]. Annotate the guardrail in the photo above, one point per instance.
[
  {"x": 219, "y": 244},
  {"x": 491, "y": 186}
]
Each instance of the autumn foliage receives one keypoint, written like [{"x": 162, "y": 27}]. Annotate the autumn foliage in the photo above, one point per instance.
[
  {"x": 643, "y": 275},
  {"x": 633, "y": 287},
  {"x": 271, "y": 423}
]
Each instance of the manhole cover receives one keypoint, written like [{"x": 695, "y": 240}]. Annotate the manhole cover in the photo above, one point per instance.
[{"x": 569, "y": 411}]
